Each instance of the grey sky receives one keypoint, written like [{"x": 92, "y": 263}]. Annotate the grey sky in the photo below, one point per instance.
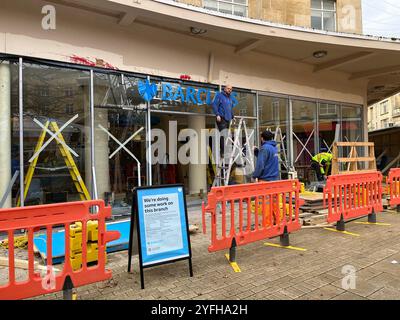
[{"x": 381, "y": 17}]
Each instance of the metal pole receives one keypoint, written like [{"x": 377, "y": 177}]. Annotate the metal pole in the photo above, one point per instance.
[
  {"x": 9, "y": 188},
  {"x": 290, "y": 134},
  {"x": 317, "y": 143},
  {"x": 139, "y": 175},
  {"x": 92, "y": 156},
  {"x": 149, "y": 170},
  {"x": 256, "y": 139},
  {"x": 21, "y": 133}
]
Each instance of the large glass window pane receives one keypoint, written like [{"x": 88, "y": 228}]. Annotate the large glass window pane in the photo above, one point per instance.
[
  {"x": 245, "y": 105},
  {"x": 304, "y": 124},
  {"x": 352, "y": 131},
  {"x": 352, "y": 124},
  {"x": 328, "y": 126},
  {"x": 273, "y": 116},
  {"x": 120, "y": 139},
  {"x": 56, "y": 99}
]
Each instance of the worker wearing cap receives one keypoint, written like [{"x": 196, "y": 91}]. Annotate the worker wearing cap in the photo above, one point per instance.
[
  {"x": 267, "y": 166},
  {"x": 321, "y": 164}
]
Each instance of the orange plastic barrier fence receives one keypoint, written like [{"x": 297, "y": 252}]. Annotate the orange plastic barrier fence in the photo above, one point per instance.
[
  {"x": 393, "y": 186},
  {"x": 63, "y": 215},
  {"x": 352, "y": 196},
  {"x": 246, "y": 213}
]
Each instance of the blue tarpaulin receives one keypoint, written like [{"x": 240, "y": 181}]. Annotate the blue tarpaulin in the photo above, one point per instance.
[{"x": 58, "y": 245}]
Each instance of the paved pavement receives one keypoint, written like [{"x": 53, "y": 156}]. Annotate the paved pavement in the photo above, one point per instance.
[{"x": 267, "y": 272}]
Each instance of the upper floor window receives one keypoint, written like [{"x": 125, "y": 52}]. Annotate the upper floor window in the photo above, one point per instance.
[
  {"x": 326, "y": 109},
  {"x": 385, "y": 107},
  {"x": 235, "y": 7},
  {"x": 43, "y": 91},
  {"x": 323, "y": 15},
  {"x": 69, "y": 92}
]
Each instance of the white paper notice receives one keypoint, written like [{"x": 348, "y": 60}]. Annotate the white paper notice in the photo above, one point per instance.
[{"x": 163, "y": 223}]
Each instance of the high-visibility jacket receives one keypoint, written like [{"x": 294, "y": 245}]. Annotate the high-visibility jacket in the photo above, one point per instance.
[{"x": 323, "y": 157}]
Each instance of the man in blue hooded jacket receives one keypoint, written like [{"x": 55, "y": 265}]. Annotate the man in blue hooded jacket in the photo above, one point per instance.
[{"x": 267, "y": 166}]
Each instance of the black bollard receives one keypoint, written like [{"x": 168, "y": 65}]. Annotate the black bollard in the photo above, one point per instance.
[
  {"x": 232, "y": 251},
  {"x": 340, "y": 225},
  {"x": 372, "y": 216},
  {"x": 284, "y": 238},
  {"x": 68, "y": 289}
]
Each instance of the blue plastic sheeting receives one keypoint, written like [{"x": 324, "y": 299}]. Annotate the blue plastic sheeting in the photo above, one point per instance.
[{"x": 58, "y": 245}]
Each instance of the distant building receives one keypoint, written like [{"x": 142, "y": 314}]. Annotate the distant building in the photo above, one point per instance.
[
  {"x": 329, "y": 15},
  {"x": 384, "y": 114}
]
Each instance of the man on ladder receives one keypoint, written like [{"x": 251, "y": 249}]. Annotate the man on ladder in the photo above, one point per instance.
[{"x": 222, "y": 108}]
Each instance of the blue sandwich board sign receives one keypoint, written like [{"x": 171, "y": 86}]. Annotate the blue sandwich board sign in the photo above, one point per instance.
[{"x": 160, "y": 223}]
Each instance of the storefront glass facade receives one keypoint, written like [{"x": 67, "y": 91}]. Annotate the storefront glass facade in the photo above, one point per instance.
[
  {"x": 56, "y": 101},
  {"x": 102, "y": 119}
]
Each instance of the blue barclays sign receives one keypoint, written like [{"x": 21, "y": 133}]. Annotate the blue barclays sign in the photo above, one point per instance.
[{"x": 188, "y": 95}]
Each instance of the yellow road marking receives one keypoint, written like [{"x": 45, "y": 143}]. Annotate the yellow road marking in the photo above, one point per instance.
[
  {"x": 234, "y": 265},
  {"x": 344, "y": 232},
  {"x": 377, "y": 223},
  {"x": 284, "y": 247}
]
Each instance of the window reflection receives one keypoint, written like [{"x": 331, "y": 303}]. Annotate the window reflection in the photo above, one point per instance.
[{"x": 52, "y": 169}]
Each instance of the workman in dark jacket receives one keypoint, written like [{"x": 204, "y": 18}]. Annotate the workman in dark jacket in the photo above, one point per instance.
[{"x": 267, "y": 166}]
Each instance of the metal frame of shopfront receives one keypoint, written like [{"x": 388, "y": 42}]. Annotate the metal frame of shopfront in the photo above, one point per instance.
[{"x": 257, "y": 94}]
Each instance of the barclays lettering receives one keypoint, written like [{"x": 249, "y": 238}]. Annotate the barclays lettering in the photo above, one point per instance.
[{"x": 190, "y": 95}]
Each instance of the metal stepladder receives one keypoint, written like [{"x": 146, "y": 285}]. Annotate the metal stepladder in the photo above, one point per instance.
[
  {"x": 241, "y": 153},
  {"x": 68, "y": 159},
  {"x": 284, "y": 162}
]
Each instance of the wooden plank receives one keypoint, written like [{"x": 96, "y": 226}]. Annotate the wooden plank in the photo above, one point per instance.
[
  {"x": 353, "y": 159},
  {"x": 358, "y": 171},
  {"x": 360, "y": 159},
  {"x": 354, "y": 144},
  {"x": 23, "y": 264}
]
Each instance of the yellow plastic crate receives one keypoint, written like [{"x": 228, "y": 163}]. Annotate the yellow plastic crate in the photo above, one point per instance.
[
  {"x": 75, "y": 233},
  {"x": 91, "y": 256},
  {"x": 91, "y": 230}
]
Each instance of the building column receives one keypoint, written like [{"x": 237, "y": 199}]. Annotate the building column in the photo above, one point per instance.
[
  {"x": 198, "y": 172},
  {"x": 5, "y": 130},
  {"x": 88, "y": 161},
  {"x": 101, "y": 150}
]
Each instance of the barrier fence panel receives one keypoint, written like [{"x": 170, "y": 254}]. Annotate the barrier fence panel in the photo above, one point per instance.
[
  {"x": 246, "y": 213},
  {"x": 45, "y": 218},
  {"x": 352, "y": 196},
  {"x": 393, "y": 186}
]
